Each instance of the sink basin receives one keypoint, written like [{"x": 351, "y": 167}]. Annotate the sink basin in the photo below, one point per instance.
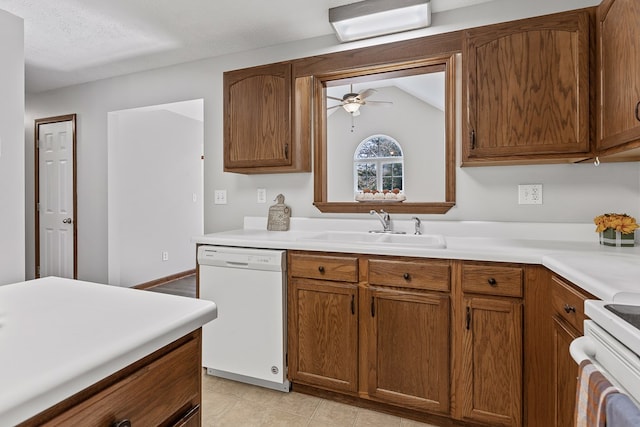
[
  {"x": 422, "y": 240},
  {"x": 384, "y": 239},
  {"x": 347, "y": 237}
]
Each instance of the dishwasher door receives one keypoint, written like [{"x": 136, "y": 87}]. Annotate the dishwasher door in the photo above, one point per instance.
[{"x": 247, "y": 342}]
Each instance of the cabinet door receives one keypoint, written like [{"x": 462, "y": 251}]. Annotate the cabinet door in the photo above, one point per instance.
[
  {"x": 408, "y": 348},
  {"x": 323, "y": 334},
  {"x": 257, "y": 117},
  {"x": 565, "y": 372},
  {"x": 491, "y": 389},
  {"x": 619, "y": 62},
  {"x": 527, "y": 92}
]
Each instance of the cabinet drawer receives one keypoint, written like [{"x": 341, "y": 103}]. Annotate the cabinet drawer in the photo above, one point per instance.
[
  {"x": 434, "y": 276},
  {"x": 163, "y": 392},
  {"x": 568, "y": 303},
  {"x": 492, "y": 280},
  {"x": 324, "y": 267}
]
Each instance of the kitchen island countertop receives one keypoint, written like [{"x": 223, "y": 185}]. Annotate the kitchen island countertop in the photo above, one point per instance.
[{"x": 59, "y": 336}]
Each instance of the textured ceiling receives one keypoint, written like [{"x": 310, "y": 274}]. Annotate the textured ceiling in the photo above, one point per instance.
[{"x": 74, "y": 41}]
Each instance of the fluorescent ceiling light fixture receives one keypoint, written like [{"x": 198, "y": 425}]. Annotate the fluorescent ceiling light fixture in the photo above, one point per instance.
[{"x": 372, "y": 18}]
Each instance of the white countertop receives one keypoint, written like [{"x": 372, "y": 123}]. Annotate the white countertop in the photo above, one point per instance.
[
  {"x": 59, "y": 336},
  {"x": 569, "y": 250}
]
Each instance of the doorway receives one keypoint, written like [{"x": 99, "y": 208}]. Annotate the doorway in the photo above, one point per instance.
[
  {"x": 154, "y": 191},
  {"x": 56, "y": 197}
]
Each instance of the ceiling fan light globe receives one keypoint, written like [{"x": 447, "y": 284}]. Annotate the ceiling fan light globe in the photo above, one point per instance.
[{"x": 351, "y": 107}]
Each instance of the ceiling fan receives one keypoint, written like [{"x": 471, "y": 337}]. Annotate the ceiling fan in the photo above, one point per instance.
[{"x": 351, "y": 102}]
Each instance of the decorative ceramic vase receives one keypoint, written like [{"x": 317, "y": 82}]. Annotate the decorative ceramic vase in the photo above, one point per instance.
[{"x": 611, "y": 237}]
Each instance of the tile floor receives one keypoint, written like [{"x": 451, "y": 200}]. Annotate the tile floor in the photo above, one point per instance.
[{"x": 227, "y": 403}]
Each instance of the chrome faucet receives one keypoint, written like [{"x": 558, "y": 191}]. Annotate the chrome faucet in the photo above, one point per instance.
[
  {"x": 385, "y": 219},
  {"x": 417, "y": 223}
]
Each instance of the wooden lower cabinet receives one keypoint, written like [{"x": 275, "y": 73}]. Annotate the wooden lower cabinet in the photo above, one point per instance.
[
  {"x": 323, "y": 334},
  {"x": 491, "y": 366},
  {"x": 441, "y": 341},
  {"x": 408, "y": 348},
  {"x": 565, "y": 372},
  {"x": 163, "y": 389},
  {"x": 567, "y": 316}
]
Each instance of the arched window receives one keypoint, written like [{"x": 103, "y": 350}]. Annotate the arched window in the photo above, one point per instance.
[{"x": 378, "y": 164}]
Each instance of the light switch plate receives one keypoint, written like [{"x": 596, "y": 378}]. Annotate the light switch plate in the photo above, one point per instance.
[
  {"x": 530, "y": 194},
  {"x": 262, "y": 195}
]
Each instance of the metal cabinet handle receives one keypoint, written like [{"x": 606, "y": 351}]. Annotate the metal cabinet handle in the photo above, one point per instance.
[
  {"x": 321, "y": 269},
  {"x": 637, "y": 111},
  {"x": 121, "y": 423},
  {"x": 373, "y": 307},
  {"x": 406, "y": 276},
  {"x": 67, "y": 221},
  {"x": 569, "y": 308},
  {"x": 492, "y": 281},
  {"x": 468, "y": 318},
  {"x": 353, "y": 304},
  {"x": 472, "y": 139}
]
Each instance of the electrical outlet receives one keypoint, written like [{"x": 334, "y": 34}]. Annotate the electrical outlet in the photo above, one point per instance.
[
  {"x": 165, "y": 256},
  {"x": 262, "y": 195},
  {"x": 220, "y": 197},
  {"x": 530, "y": 194}
]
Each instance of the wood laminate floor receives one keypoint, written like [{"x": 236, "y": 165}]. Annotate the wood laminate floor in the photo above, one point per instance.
[
  {"x": 185, "y": 287},
  {"x": 227, "y": 403}
]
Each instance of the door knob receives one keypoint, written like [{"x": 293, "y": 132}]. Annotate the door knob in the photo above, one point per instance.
[{"x": 67, "y": 221}]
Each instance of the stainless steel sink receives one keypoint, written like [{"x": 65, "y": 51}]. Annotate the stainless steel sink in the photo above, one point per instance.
[{"x": 435, "y": 241}]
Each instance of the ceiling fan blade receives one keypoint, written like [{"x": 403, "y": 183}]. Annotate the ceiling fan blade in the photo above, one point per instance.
[
  {"x": 335, "y": 106},
  {"x": 334, "y": 98},
  {"x": 366, "y": 93},
  {"x": 379, "y": 102}
]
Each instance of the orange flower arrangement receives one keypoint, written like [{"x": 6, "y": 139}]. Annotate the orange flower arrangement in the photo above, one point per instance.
[{"x": 619, "y": 222}]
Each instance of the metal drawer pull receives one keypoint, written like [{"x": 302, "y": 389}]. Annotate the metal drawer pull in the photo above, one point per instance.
[
  {"x": 353, "y": 304},
  {"x": 321, "y": 269},
  {"x": 406, "y": 276},
  {"x": 492, "y": 281},
  {"x": 569, "y": 308},
  {"x": 638, "y": 112},
  {"x": 121, "y": 423}
]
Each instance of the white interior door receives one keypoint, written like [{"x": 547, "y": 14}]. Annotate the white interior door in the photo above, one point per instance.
[{"x": 56, "y": 192}]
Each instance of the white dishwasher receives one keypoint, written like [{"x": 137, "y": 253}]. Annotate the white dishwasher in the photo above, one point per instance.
[{"x": 247, "y": 342}]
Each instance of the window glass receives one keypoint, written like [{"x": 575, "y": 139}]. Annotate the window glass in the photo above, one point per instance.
[{"x": 378, "y": 164}]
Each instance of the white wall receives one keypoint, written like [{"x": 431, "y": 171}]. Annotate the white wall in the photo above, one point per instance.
[
  {"x": 572, "y": 193},
  {"x": 12, "y": 166},
  {"x": 419, "y": 129},
  {"x": 154, "y": 192}
]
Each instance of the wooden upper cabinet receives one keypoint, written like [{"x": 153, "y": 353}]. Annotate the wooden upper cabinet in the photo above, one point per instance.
[
  {"x": 527, "y": 91},
  {"x": 619, "y": 64},
  {"x": 267, "y": 116}
]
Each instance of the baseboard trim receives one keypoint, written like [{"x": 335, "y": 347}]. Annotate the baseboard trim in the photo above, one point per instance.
[{"x": 166, "y": 279}]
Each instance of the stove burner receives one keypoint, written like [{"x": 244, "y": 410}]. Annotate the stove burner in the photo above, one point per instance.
[{"x": 629, "y": 313}]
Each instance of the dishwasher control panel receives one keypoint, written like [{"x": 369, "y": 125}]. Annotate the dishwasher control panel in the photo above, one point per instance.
[{"x": 255, "y": 259}]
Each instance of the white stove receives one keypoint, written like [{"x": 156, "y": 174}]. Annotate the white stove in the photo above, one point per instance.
[
  {"x": 612, "y": 341},
  {"x": 620, "y": 319}
]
